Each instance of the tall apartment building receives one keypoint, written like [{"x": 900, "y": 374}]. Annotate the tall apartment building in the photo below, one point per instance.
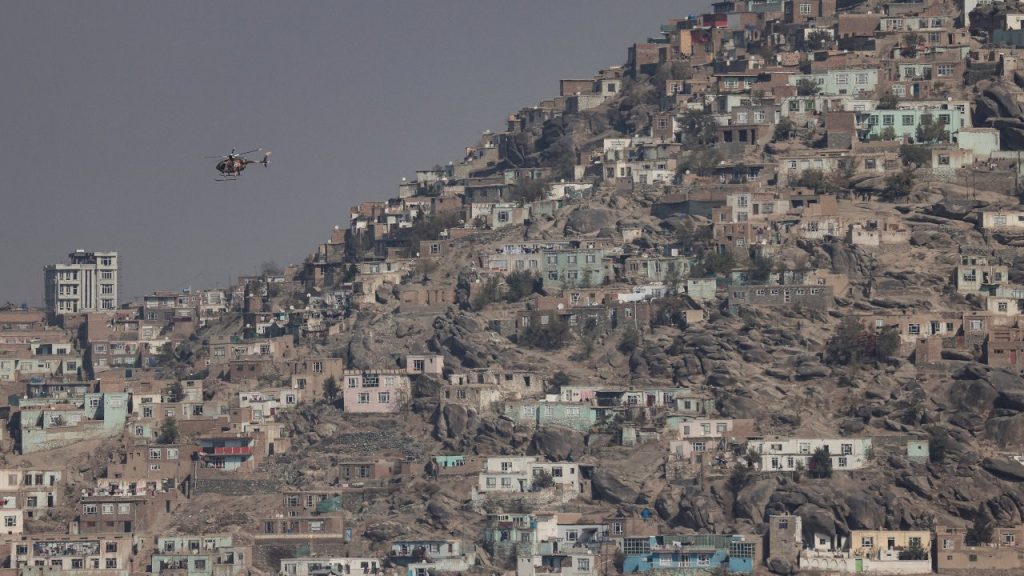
[{"x": 88, "y": 283}]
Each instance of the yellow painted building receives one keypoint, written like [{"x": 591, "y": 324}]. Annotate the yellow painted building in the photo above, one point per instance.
[{"x": 873, "y": 542}]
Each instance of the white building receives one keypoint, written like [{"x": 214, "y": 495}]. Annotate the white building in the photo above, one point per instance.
[
  {"x": 517, "y": 474},
  {"x": 789, "y": 454},
  {"x": 87, "y": 284},
  {"x": 1002, "y": 219},
  {"x": 325, "y": 565}
]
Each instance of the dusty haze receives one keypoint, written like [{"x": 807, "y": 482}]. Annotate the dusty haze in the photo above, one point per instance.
[{"x": 110, "y": 106}]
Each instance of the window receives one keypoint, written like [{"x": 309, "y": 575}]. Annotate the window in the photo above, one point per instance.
[
  {"x": 106, "y": 509},
  {"x": 318, "y": 367},
  {"x": 77, "y": 563},
  {"x": 10, "y": 521},
  {"x": 201, "y": 562},
  {"x": 1007, "y": 538},
  {"x": 907, "y": 120},
  {"x": 155, "y": 453},
  {"x": 506, "y": 482},
  {"x": 805, "y": 447},
  {"x": 583, "y": 564},
  {"x": 363, "y": 398},
  {"x": 842, "y": 79},
  {"x": 805, "y": 9},
  {"x": 912, "y": 329},
  {"x": 383, "y": 397},
  {"x": 842, "y": 461},
  {"x": 492, "y": 482},
  {"x": 634, "y": 546},
  {"x": 154, "y": 467},
  {"x": 112, "y": 563},
  {"x": 945, "y": 70},
  {"x": 172, "y": 453},
  {"x": 888, "y": 120},
  {"x": 783, "y": 523},
  {"x": 124, "y": 508},
  {"x": 862, "y": 78},
  {"x": 943, "y": 159}
]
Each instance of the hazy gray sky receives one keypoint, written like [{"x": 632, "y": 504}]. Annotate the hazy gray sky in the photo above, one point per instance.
[{"x": 108, "y": 108}]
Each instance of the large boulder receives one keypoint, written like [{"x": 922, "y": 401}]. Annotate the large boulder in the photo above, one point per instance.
[
  {"x": 816, "y": 520},
  {"x": 384, "y": 531},
  {"x": 752, "y": 500},
  {"x": 606, "y": 486},
  {"x": 1005, "y": 469},
  {"x": 558, "y": 445},
  {"x": 1006, "y": 431},
  {"x": 457, "y": 419},
  {"x": 1008, "y": 107},
  {"x": 777, "y": 565},
  {"x": 844, "y": 259},
  {"x": 953, "y": 207},
  {"x": 864, "y": 512},
  {"x": 589, "y": 220}
]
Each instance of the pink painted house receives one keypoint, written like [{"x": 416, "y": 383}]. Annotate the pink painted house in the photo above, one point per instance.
[{"x": 375, "y": 391}]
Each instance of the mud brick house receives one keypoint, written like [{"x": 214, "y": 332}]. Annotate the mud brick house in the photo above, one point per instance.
[
  {"x": 812, "y": 297},
  {"x": 45, "y": 554},
  {"x": 31, "y": 491},
  {"x": 205, "y": 555},
  {"x": 1002, "y": 554},
  {"x": 379, "y": 471},
  {"x": 150, "y": 468},
  {"x": 1004, "y": 348},
  {"x": 123, "y": 514},
  {"x": 375, "y": 391},
  {"x": 304, "y": 515}
]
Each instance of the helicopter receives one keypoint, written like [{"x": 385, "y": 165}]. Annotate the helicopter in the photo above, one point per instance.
[{"x": 231, "y": 166}]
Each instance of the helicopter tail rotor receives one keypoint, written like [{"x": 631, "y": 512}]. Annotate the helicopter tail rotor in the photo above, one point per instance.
[{"x": 266, "y": 159}]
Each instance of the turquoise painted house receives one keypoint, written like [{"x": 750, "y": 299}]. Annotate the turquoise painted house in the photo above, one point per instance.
[
  {"x": 536, "y": 414},
  {"x": 905, "y": 122},
  {"x": 737, "y": 554},
  {"x": 45, "y": 425}
]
